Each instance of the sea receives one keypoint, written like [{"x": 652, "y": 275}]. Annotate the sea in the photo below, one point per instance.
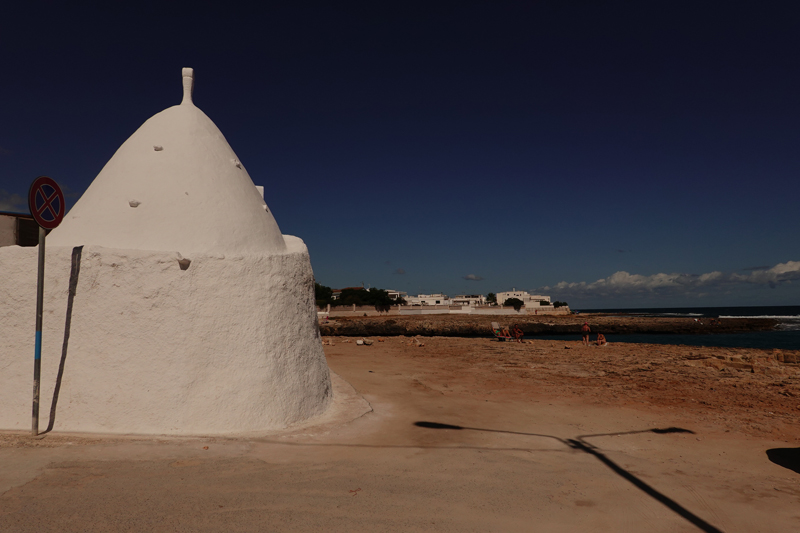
[{"x": 785, "y": 337}]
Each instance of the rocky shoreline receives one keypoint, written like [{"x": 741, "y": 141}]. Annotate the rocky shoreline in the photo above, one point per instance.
[{"x": 532, "y": 326}]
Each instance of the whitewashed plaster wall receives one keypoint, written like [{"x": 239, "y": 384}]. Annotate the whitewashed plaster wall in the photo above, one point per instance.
[
  {"x": 229, "y": 345},
  {"x": 175, "y": 184}
]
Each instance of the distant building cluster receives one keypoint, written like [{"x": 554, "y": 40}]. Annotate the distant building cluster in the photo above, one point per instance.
[
  {"x": 466, "y": 300},
  {"x": 511, "y": 302}
]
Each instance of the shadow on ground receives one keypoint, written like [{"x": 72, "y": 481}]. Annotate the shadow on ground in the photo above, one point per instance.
[
  {"x": 785, "y": 457},
  {"x": 579, "y": 443}
]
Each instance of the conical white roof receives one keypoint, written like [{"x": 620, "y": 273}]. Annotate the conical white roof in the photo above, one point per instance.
[{"x": 174, "y": 185}]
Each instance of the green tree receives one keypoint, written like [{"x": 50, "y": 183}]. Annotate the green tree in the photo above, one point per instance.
[
  {"x": 352, "y": 297},
  {"x": 516, "y": 303},
  {"x": 491, "y": 298},
  {"x": 322, "y": 294},
  {"x": 378, "y": 298},
  {"x": 560, "y": 304}
]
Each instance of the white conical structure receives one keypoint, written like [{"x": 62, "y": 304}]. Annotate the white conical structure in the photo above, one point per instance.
[
  {"x": 174, "y": 185},
  {"x": 171, "y": 298}
]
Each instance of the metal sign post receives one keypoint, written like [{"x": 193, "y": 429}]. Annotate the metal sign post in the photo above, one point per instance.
[
  {"x": 46, "y": 202},
  {"x": 37, "y": 358}
]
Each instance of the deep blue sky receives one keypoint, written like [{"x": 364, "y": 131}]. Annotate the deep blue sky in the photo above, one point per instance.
[{"x": 417, "y": 145}]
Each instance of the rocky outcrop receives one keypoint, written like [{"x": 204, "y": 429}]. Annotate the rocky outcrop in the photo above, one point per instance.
[{"x": 480, "y": 326}]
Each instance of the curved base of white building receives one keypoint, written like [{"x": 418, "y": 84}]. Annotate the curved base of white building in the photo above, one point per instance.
[{"x": 216, "y": 345}]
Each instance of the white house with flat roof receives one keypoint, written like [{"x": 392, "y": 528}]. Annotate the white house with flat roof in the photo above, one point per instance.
[
  {"x": 428, "y": 299},
  {"x": 396, "y": 295},
  {"x": 530, "y": 300},
  {"x": 470, "y": 300}
]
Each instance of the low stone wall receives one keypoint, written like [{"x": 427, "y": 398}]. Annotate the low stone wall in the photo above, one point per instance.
[
  {"x": 356, "y": 310},
  {"x": 410, "y": 310},
  {"x": 498, "y": 311},
  {"x": 419, "y": 310}
]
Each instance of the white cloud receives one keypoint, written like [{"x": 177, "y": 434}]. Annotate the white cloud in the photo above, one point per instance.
[
  {"x": 12, "y": 202},
  {"x": 472, "y": 277},
  {"x": 626, "y": 284},
  {"x": 781, "y": 272}
]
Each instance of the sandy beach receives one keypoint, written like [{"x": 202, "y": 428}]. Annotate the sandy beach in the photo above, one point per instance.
[{"x": 457, "y": 434}]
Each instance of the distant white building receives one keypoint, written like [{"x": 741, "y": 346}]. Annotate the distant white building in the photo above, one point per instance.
[
  {"x": 396, "y": 295},
  {"x": 530, "y": 300},
  {"x": 470, "y": 300},
  {"x": 428, "y": 299}
]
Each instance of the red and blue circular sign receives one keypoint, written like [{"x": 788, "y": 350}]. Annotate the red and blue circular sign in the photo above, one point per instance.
[{"x": 46, "y": 202}]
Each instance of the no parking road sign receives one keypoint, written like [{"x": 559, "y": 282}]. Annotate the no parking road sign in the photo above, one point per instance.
[{"x": 46, "y": 202}]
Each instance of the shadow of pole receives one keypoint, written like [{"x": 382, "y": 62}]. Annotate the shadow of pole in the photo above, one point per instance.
[
  {"x": 644, "y": 487},
  {"x": 579, "y": 444},
  {"x": 73, "y": 285}
]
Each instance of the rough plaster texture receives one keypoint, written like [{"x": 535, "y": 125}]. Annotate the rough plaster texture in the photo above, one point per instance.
[
  {"x": 174, "y": 185},
  {"x": 229, "y": 345},
  {"x": 192, "y": 315}
]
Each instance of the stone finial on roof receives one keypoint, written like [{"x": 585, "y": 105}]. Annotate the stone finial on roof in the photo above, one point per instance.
[{"x": 188, "y": 85}]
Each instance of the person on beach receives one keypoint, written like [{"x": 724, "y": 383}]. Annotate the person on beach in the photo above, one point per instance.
[
  {"x": 585, "y": 330},
  {"x": 517, "y": 333},
  {"x": 601, "y": 339}
]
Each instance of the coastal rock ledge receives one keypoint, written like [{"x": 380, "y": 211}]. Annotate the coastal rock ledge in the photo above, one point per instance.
[{"x": 480, "y": 326}]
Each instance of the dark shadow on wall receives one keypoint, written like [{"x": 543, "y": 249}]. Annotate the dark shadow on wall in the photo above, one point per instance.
[
  {"x": 73, "y": 285},
  {"x": 785, "y": 457},
  {"x": 578, "y": 443}
]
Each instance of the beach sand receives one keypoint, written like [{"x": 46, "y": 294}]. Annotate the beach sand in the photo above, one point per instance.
[{"x": 455, "y": 434}]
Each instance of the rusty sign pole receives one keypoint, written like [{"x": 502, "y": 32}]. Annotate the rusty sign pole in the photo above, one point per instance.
[{"x": 46, "y": 202}]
